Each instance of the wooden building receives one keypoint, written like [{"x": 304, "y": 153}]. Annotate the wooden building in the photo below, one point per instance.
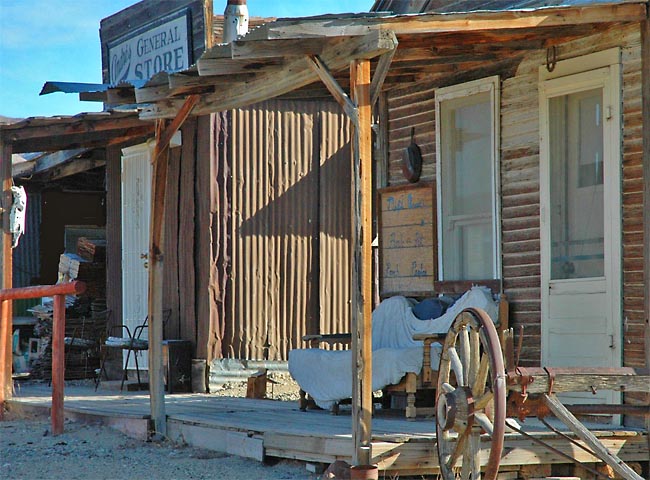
[
  {"x": 532, "y": 123},
  {"x": 513, "y": 60},
  {"x": 528, "y": 115},
  {"x": 252, "y": 202}
]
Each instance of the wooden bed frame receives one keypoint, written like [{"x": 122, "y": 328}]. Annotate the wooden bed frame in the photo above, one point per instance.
[{"x": 427, "y": 379}]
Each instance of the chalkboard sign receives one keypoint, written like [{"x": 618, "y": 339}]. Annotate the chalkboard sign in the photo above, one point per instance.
[{"x": 406, "y": 240}]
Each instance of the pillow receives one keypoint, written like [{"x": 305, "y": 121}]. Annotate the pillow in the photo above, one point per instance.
[{"x": 431, "y": 308}]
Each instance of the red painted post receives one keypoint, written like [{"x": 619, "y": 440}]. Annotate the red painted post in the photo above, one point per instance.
[
  {"x": 59, "y": 291},
  {"x": 58, "y": 363},
  {"x": 5, "y": 353}
]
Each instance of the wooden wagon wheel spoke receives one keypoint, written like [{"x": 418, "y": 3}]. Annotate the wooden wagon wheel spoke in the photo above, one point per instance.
[
  {"x": 472, "y": 354},
  {"x": 472, "y": 457},
  {"x": 483, "y": 401},
  {"x": 485, "y": 423},
  {"x": 464, "y": 354},
  {"x": 478, "y": 387},
  {"x": 475, "y": 356},
  {"x": 459, "y": 448},
  {"x": 448, "y": 388},
  {"x": 456, "y": 365}
]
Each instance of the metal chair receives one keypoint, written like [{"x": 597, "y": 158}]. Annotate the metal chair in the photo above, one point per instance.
[{"x": 131, "y": 343}]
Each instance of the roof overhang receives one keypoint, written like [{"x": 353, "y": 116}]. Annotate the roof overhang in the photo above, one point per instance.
[
  {"x": 83, "y": 131},
  {"x": 273, "y": 60}
]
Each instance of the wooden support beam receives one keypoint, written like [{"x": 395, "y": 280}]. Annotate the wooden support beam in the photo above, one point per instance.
[
  {"x": 380, "y": 75},
  {"x": 589, "y": 438},
  {"x": 277, "y": 48},
  {"x": 58, "y": 364},
  {"x": 87, "y": 140},
  {"x": 6, "y": 261},
  {"x": 583, "y": 379},
  {"x": 334, "y": 88},
  {"x": 361, "y": 294},
  {"x": 456, "y": 22},
  {"x": 229, "y": 66},
  {"x": 165, "y": 130},
  {"x": 120, "y": 96},
  {"x": 156, "y": 381},
  {"x": 295, "y": 74},
  {"x": 92, "y": 96},
  {"x": 77, "y": 166},
  {"x": 645, "y": 107},
  {"x": 81, "y": 125},
  {"x": 45, "y": 162}
]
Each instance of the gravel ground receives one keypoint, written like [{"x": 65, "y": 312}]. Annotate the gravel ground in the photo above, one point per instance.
[{"x": 28, "y": 451}]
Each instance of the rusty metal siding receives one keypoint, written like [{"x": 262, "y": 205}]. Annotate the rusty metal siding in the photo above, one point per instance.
[
  {"x": 335, "y": 221},
  {"x": 278, "y": 149},
  {"x": 26, "y": 259}
]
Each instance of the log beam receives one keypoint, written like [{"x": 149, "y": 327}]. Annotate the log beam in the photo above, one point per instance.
[
  {"x": 456, "y": 22},
  {"x": 645, "y": 106},
  {"x": 589, "y": 438},
  {"x": 361, "y": 294},
  {"x": 164, "y": 132},
  {"x": 383, "y": 66},
  {"x": 334, "y": 88}
]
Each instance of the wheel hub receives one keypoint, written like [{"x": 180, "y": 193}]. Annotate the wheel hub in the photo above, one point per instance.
[{"x": 455, "y": 409}]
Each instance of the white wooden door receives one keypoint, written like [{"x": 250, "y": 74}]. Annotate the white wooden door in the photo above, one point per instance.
[
  {"x": 136, "y": 205},
  {"x": 581, "y": 223}
]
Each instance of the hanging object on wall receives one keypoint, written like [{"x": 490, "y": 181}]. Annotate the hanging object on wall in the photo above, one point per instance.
[
  {"x": 17, "y": 214},
  {"x": 412, "y": 160},
  {"x": 551, "y": 58}
]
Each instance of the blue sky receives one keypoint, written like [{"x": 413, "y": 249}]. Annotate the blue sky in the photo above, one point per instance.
[{"x": 58, "y": 40}]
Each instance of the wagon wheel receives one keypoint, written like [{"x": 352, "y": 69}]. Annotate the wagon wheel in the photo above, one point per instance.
[{"x": 471, "y": 397}]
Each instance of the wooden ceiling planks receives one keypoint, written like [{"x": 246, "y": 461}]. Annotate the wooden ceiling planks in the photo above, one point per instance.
[{"x": 42, "y": 140}]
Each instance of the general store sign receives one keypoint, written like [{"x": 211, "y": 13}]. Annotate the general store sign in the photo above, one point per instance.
[{"x": 163, "y": 45}]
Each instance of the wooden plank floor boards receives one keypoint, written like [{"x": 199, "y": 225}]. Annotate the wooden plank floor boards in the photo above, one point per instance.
[{"x": 259, "y": 428}]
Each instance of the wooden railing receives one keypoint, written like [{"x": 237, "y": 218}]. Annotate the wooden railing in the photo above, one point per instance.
[{"x": 58, "y": 291}]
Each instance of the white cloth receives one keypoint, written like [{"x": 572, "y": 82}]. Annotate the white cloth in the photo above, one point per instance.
[{"x": 327, "y": 375}]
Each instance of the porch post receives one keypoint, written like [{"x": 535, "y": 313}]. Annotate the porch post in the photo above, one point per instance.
[
  {"x": 361, "y": 264},
  {"x": 645, "y": 106},
  {"x": 156, "y": 227},
  {"x": 6, "y": 262},
  {"x": 164, "y": 132}
]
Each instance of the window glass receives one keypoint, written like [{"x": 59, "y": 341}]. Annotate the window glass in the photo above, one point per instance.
[
  {"x": 577, "y": 200},
  {"x": 467, "y": 188}
]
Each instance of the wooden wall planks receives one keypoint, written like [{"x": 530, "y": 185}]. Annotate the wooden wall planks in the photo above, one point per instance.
[{"x": 413, "y": 106}]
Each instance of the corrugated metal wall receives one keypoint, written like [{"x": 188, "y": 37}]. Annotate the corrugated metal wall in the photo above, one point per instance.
[
  {"x": 26, "y": 260},
  {"x": 290, "y": 227}
]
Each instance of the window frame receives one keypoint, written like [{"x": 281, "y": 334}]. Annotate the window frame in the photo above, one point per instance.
[{"x": 490, "y": 85}]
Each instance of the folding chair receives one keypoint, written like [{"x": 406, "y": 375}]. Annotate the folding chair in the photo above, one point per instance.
[{"x": 131, "y": 343}]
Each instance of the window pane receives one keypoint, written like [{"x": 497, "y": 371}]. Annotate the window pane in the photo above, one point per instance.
[
  {"x": 467, "y": 180},
  {"x": 577, "y": 201}
]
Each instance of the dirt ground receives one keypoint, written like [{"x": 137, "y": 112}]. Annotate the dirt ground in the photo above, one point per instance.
[{"x": 28, "y": 451}]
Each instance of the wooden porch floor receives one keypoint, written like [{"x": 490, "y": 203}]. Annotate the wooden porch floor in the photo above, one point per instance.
[{"x": 259, "y": 428}]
